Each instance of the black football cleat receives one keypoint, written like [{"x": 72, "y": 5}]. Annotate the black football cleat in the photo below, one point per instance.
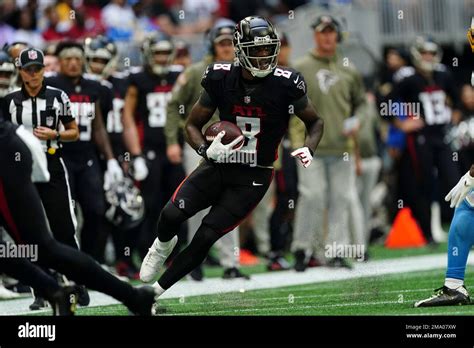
[
  {"x": 445, "y": 296},
  {"x": 64, "y": 301},
  {"x": 197, "y": 274},
  {"x": 300, "y": 261},
  {"x": 38, "y": 303},
  {"x": 83, "y": 296},
  {"x": 234, "y": 273},
  {"x": 339, "y": 262},
  {"x": 143, "y": 301}
]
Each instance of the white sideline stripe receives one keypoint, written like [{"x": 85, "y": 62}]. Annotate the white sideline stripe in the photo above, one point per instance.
[{"x": 268, "y": 280}]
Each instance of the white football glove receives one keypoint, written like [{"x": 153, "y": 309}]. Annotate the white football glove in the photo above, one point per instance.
[
  {"x": 218, "y": 151},
  {"x": 460, "y": 191},
  {"x": 113, "y": 173},
  {"x": 139, "y": 169},
  {"x": 304, "y": 155}
]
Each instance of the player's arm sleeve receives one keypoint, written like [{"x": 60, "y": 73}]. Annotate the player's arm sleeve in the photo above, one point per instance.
[
  {"x": 66, "y": 112},
  {"x": 176, "y": 109}
]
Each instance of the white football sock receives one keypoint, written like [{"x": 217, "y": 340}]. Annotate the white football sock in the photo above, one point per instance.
[{"x": 453, "y": 283}]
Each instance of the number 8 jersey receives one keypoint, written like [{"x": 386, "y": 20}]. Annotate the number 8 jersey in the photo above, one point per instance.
[
  {"x": 154, "y": 92},
  {"x": 261, "y": 108}
]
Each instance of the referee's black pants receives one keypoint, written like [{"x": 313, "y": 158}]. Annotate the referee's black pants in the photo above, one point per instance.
[
  {"x": 22, "y": 214},
  {"x": 56, "y": 198}
]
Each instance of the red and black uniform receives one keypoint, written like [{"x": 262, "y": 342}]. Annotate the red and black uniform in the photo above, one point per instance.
[
  {"x": 261, "y": 108},
  {"x": 426, "y": 153}
]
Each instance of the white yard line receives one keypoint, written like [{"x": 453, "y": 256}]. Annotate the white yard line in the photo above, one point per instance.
[{"x": 268, "y": 280}]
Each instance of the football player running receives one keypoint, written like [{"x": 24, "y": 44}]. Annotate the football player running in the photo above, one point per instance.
[
  {"x": 258, "y": 97},
  {"x": 460, "y": 241}
]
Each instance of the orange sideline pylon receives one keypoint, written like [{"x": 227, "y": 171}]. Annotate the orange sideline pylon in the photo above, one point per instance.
[{"x": 405, "y": 232}]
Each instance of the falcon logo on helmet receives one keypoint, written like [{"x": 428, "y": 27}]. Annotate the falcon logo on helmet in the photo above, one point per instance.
[{"x": 257, "y": 45}]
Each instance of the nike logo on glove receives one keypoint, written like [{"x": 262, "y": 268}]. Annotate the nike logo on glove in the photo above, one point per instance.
[{"x": 256, "y": 184}]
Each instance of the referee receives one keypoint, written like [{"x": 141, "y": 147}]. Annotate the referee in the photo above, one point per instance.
[{"x": 45, "y": 111}]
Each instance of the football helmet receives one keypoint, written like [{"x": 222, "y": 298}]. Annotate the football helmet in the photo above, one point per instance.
[
  {"x": 125, "y": 205},
  {"x": 155, "y": 45},
  {"x": 253, "y": 36},
  {"x": 422, "y": 45},
  {"x": 8, "y": 74},
  {"x": 101, "y": 56}
]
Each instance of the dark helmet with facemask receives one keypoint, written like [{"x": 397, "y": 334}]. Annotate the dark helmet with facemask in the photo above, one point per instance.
[{"x": 256, "y": 45}]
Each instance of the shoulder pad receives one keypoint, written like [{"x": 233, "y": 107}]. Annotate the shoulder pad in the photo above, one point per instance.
[
  {"x": 403, "y": 73},
  {"x": 135, "y": 70},
  {"x": 218, "y": 70},
  {"x": 120, "y": 74},
  {"x": 91, "y": 77},
  {"x": 176, "y": 68},
  {"x": 107, "y": 84},
  {"x": 50, "y": 74}
]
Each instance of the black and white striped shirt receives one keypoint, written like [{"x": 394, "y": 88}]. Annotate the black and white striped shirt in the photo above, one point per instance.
[{"x": 50, "y": 108}]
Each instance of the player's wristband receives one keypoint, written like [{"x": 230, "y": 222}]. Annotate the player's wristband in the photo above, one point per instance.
[{"x": 202, "y": 151}]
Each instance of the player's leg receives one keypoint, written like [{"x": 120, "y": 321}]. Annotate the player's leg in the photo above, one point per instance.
[
  {"x": 236, "y": 201},
  {"x": 415, "y": 187},
  {"x": 21, "y": 208},
  {"x": 43, "y": 283},
  {"x": 460, "y": 241},
  {"x": 310, "y": 211},
  {"x": 197, "y": 192},
  {"x": 90, "y": 196}
]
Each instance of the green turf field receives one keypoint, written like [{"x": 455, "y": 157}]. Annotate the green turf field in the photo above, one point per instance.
[{"x": 384, "y": 295}]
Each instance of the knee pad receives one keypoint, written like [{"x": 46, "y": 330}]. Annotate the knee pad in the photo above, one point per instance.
[{"x": 171, "y": 216}]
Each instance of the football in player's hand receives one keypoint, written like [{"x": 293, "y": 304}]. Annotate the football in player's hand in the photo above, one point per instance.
[{"x": 231, "y": 132}]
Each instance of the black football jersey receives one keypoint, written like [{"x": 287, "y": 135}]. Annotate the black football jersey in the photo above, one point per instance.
[
  {"x": 154, "y": 92},
  {"x": 83, "y": 97},
  {"x": 433, "y": 99},
  {"x": 113, "y": 120},
  {"x": 261, "y": 108}
]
